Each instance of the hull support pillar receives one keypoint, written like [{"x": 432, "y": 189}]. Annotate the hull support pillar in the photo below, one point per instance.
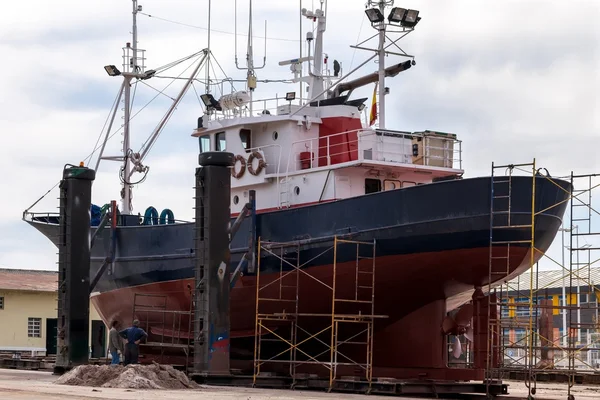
[
  {"x": 74, "y": 268},
  {"x": 211, "y": 265}
]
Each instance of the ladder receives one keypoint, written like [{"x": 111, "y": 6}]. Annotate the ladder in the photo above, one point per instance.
[
  {"x": 504, "y": 225},
  {"x": 284, "y": 193}
]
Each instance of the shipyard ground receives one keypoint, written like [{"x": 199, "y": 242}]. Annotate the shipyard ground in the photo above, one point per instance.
[{"x": 29, "y": 385}]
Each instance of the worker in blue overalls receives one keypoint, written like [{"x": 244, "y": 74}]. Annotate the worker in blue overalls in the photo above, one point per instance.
[{"x": 133, "y": 335}]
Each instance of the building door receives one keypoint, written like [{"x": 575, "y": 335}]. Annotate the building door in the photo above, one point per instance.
[
  {"x": 98, "y": 339},
  {"x": 51, "y": 335}
]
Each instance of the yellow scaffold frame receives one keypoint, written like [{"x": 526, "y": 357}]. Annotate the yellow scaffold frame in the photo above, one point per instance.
[
  {"x": 284, "y": 289},
  {"x": 499, "y": 326}
]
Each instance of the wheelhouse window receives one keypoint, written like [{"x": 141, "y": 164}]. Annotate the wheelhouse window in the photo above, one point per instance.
[
  {"x": 204, "y": 143},
  {"x": 245, "y": 137},
  {"x": 391, "y": 184},
  {"x": 372, "y": 185},
  {"x": 220, "y": 142}
]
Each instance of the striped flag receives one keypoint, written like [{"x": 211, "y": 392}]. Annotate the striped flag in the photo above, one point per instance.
[{"x": 373, "y": 116}]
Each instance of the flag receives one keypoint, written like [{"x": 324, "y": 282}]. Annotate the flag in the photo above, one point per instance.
[{"x": 373, "y": 116}]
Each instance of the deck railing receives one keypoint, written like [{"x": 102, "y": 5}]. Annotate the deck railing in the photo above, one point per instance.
[
  {"x": 376, "y": 145},
  {"x": 270, "y": 105}
]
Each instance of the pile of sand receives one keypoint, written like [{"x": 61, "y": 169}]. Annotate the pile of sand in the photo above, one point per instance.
[{"x": 154, "y": 376}]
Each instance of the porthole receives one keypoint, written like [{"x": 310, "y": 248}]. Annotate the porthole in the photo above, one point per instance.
[
  {"x": 236, "y": 199},
  {"x": 275, "y": 135},
  {"x": 297, "y": 190}
]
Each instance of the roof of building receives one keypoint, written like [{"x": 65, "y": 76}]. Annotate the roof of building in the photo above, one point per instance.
[
  {"x": 554, "y": 279},
  {"x": 27, "y": 279}
]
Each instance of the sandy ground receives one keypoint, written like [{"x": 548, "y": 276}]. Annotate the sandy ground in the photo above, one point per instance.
[{"x": 33, "y": 385}]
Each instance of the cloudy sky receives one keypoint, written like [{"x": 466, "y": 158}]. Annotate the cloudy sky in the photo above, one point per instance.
[{"x": 514, "y": 79}]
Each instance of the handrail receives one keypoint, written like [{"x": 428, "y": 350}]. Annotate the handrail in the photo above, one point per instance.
[
  {"x": 267, "y": 104},
  {"x": 262, "y": 149},
  {"x": 449, "y": 155}
]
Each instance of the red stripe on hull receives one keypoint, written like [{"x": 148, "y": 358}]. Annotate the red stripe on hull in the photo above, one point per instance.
[{"x": 415, "y": 291}]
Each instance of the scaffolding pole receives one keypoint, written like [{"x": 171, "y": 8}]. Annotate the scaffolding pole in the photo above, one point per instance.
[
  {"x": 526, "y": 304},
  {"x": 168, "y": 328},
  {"x": 501, "y": 259},
  {"x": 315, "y": 314}
]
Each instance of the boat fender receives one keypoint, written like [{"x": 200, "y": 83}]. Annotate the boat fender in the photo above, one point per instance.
[
  {"x": 167, "y": 217},
  {"x": 95, "y": 215},
  {"x": 261, "y": 163},
  {"x": 240, "y": 173},
  {"x": 151, "y": 216}
]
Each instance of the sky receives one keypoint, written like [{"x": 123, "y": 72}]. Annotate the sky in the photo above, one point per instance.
[{"x": 515, "y": 80}]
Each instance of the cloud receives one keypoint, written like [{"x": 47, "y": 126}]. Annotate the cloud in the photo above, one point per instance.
[{"x": 515, "y": 80}]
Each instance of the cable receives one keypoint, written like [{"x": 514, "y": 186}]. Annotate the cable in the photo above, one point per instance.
[
  {"x": 362, "y": 22},
  {"x": 216, "y": 30},
  {"x": 146, "y": 142}
]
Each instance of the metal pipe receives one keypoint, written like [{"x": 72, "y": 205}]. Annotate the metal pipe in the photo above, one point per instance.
[
  {"x": 564, "y": 295},
  {"x": 99, "y": 229},
  {"x": 371, "y": 78},
  {"x": 126, "y": 197},
  {"x": 238, "y": 221},
  {"x": 252, "y": 237}
]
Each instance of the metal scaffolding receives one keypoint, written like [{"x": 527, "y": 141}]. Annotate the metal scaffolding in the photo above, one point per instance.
[
  {"x": 167, "y": 329},
  {"x": 528, "y": 342},
  {"x": 316, "y": 313},
  {"x": 501, "y": 259}
]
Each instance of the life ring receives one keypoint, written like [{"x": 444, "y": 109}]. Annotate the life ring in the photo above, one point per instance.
[
  {"x": 261, "y": 163},
  {"x": 242, "y": 160}
]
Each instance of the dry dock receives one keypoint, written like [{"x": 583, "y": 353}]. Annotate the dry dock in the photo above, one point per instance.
[{"x": 33, "y": 385}]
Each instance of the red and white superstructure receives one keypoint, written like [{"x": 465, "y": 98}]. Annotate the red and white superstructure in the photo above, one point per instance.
[{"x": 295, "y": 152}]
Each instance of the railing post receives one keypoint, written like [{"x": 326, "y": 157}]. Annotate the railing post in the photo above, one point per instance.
[{"x": 328, "y": 153}]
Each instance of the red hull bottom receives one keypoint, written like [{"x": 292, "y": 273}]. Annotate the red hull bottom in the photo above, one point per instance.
[{"x": 414, "y": 291}]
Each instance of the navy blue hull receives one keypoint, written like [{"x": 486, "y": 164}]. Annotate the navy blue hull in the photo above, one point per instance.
[
  {"x": 434, "y": 218},
  {"x": 437, "y": 217}
]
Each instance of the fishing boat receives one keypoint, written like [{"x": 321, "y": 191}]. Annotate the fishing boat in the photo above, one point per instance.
[{"x": 320, "y": 169}]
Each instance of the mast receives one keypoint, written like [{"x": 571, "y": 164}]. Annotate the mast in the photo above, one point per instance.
[
  {"x": 301, "y": 44},
  {"x": 400, "y": 21},
  {"x": 207, "y": 87},
  {"x": 250, "y": 78},
  {"x": 381, "y": 65},
  {"x": 250, "y": 67},
  {"x": 316, "y": 84},
  {"x": 126, "y": 192}
]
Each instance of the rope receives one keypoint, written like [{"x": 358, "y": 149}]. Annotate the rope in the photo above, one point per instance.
[{"x": 216, "y": 30}]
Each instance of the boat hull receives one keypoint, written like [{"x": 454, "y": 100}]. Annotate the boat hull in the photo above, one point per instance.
[{"x": 432, "y": 246}]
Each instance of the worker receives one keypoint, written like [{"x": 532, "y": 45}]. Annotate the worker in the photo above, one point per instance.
[
  {"x": 115, "y": 343},
  {"x": 133, "y": 335}
]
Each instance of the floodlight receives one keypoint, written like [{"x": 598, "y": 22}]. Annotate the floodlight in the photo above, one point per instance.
[
  {"x": 361, "y": 107},
  {"x": 210, "y": 102},
  {"x": 290, "y": 96},
  {"x": 397, "y": 14},
  {"x": 374, "y": 15},
  {"x": 411, "y": 19},
  {"x": 111, "y": 70},
  {"x": 405, "y": 17}
]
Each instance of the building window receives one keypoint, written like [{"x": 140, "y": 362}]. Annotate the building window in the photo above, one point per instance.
[
  {"x": 221, "y": 144},
  {"x": 34, "y": 327},
  {"x": 245, "y": 138},
  {"x": 1, "y": 303},
  {"x": 372, "y": 185},
  {"x": 204, "y": 143}
]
